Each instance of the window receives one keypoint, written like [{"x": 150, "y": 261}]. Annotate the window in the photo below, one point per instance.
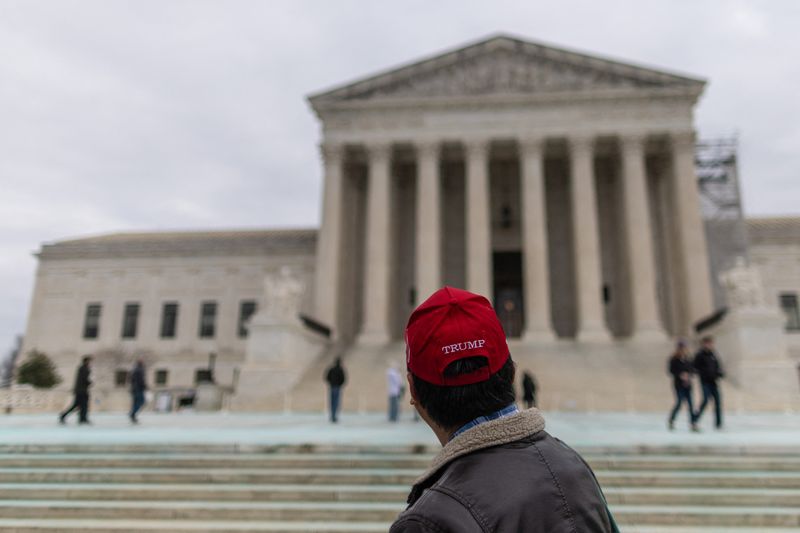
[
  {"x": 161, "y": 377},
  {"x": 208, "y": 318},
  {"x": 91, "y": 324},
  {"x": 791, "y": 310},
  {"x": 130, "y": 320},
  {"x": 246, "y": 310},
  {"x": 169, "y": 320},
  {"x": 120, "y": 378},
  {"x": 203, "y": 375}
]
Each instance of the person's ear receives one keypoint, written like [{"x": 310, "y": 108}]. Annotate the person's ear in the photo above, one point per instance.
[{"x": 412, "y": 391}]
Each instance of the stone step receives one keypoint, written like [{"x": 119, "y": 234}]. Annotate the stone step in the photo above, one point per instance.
[
  {"x": 202, "y": 510},
  {"x": 366, "y": 493},
  {"x": 195, "y": 460},
  {"x": 328, "y": 460},
  {"x": 40, "y": 525},
  {"x": 700, "y": 462},
  {"x": 777, "y": 480},
  {"x": 376, "y": 476},
  {"x": 785, "y": 517},
  {"x": 393, "y": 476},
  {"x": 212, "y": 492},
  {"x": 185, "y": 526},
  {"x": 706, "y": 529},
  {"x": 236, "y": 449},
  {"x": 319, "y": 476},
  {"x": 756, "y": 517},
  {"x": 707, "y": 496}
]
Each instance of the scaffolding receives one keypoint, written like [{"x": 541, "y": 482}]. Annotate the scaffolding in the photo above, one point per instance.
[
  {"x": 718, "y": 178},
  {"x": 721, "y": 205}
]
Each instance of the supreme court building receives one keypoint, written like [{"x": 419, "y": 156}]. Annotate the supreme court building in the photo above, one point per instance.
[{"x": 562, "y": 186}]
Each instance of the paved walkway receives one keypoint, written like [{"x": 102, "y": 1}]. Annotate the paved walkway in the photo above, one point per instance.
[{"x": 577, "y": 429}]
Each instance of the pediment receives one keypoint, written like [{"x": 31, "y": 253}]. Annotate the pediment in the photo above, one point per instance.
[{"x": 505, "y": 66}]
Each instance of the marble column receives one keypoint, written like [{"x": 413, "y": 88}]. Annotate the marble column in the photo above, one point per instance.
[
  {"x": 691, "y": 233},
  {"x": 538, "y": 320},
  {"x": 479, "y": 230},
  {"x": 646, "y": 322},
  {"x": 586, "y": 241},
  {"x": 429, "y": 221},
  {"x": 329, "y": 244},
  {"x": 378, "y": 257}
]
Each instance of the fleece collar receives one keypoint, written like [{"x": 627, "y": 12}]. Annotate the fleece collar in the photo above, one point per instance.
[{"x": 493, "y": 433}]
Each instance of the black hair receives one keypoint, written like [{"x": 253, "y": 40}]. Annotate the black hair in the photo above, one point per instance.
[
  {"x": 86, "y": 359},
  {"x": 452, "y": 407}
]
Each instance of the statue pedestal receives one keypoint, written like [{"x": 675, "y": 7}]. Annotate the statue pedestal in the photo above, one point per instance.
[
  {"x": 208, "y": 397},
  {"x": 279, "y": 352},
  {"x": 751, "y": 343}
]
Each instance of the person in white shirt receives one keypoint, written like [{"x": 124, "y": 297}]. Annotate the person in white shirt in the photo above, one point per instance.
[{"x": 394, "y": 385}]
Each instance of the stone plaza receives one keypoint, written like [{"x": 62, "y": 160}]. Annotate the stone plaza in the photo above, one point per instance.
[{"x": 192, "y": 472}]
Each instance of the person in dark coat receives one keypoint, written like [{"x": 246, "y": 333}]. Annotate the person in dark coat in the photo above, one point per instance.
[
  {"x": 498, "y": 469},
  {"x": 138, "y": 388},
  {"x": 529, "y": 389},
  {"x": 681, "y": 368},
  {"x": 336, "y": 378},
  {"x": 81, "y": 391},
  {"x": 709, "y": 369}
]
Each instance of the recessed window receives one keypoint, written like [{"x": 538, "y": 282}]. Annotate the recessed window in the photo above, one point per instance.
[
  {"x": 161, "y": 377},
  {"x": 120, "y": 378},
  {"x": 246, "y": 310},
  {"x": 208, "y": 319},
  {"x": 130, "y": 321},
  {"x": 203, "y": 375},
  {"x": 169, "y": 320},
  {"x": 91, "y": 323},
  {"x": 791, "y": 309}
]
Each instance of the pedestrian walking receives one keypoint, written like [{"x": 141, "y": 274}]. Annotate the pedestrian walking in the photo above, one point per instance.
[
  {"x": 709, "y": 368},
  {"x": 336, "y": 378},
  {"x": 529, "y": 389},
  {"x": 81, "y": 392},
  {"x": 138, "y": 388},
  {"x": 498, "y": 470},
  {"x": 681, "y": 368},
  {"x": 394, "y": 386}
]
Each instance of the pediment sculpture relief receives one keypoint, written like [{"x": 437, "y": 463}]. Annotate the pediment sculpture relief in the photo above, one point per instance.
[{"x": 500, "y": 72}]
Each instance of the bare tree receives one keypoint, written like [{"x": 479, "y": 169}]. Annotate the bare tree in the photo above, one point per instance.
[{"x": 8, "y": 364}]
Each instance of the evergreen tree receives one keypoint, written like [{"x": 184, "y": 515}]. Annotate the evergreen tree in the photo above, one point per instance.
[{"x": 38, "y": 370}]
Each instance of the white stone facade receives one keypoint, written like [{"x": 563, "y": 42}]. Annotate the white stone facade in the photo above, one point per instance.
[
  {"x": 560, "y": 185},
  {"x": 150, "y": 270},
  {"x": 775, "y": 250}
]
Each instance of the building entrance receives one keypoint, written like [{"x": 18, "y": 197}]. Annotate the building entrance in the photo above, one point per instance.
[{"x": 508, "y": 302}]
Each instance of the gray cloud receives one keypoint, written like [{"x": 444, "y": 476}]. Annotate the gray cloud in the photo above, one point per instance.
[{"x": 186, "y": 114}]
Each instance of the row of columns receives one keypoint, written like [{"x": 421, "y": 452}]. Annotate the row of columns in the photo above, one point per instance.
[{"x": 586, "y": 240}]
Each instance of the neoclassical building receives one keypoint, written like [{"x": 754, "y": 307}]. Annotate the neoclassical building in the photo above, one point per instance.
[{"x": 560, "y": 185}]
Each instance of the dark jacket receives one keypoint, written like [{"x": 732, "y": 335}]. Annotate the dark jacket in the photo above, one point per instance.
[
  {"x": 678, "y": 366},
  {"x": 138, "y": 382},
  {"x": 506, "y": 476},
  {"x": 336, "y": 376},
  {"x": 708, "y": 366},
  {"x": 82, "y": 381}
]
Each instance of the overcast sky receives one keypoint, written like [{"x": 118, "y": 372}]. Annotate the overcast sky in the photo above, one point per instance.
[{"x": 147, "y": 115}]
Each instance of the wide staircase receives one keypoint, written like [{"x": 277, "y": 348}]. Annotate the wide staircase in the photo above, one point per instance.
[{"x": 233, "y": 489}]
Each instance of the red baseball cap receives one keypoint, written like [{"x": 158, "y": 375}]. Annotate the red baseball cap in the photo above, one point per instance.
[{"x": 454, "y": 324}]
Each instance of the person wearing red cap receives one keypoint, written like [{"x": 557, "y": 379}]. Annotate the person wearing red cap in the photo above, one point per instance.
[{"x": 498, "y": 470}]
